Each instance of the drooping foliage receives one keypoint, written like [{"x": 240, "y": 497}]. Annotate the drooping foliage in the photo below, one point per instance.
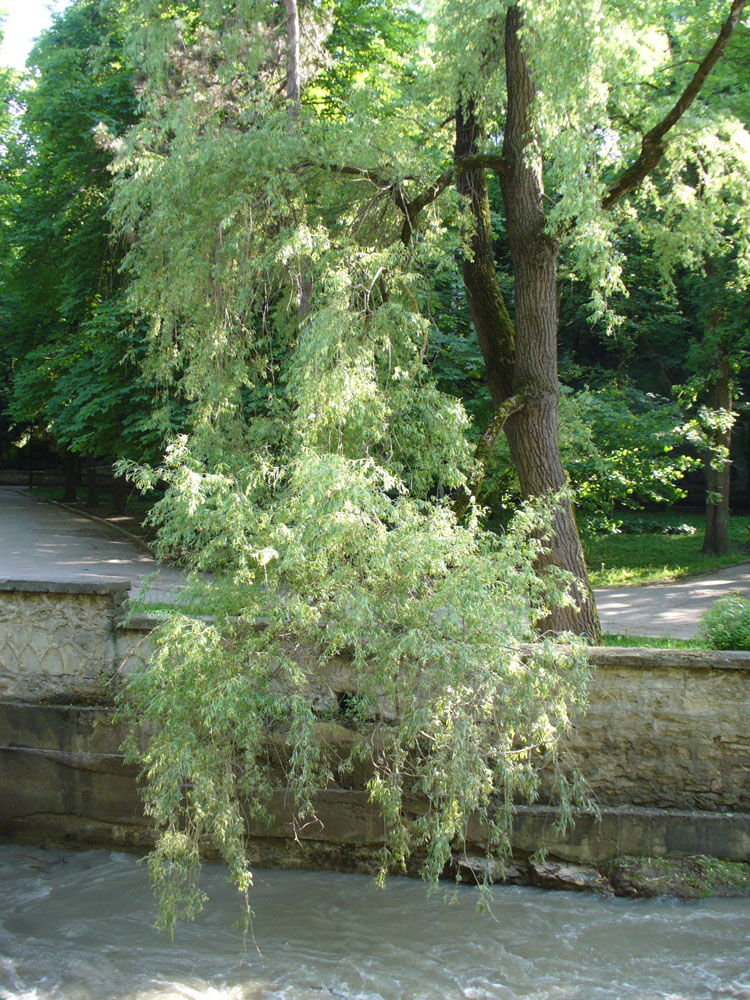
[
  {"x": 316, "y": 481},
  {"x": 286, "y": 254}
]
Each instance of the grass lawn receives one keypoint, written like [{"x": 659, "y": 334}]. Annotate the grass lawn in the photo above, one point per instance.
[
  {"x": 629, "y": 559},
  {"x": 650, "y": 642}
]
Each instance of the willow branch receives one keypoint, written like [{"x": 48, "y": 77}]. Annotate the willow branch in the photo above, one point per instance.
[
  {"x": 652, "y": 145},
  {"x": 483, "y": 451},
  {"x": 412, "y": 208}
]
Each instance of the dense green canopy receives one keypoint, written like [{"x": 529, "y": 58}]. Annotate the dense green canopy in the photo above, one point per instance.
[{"x": 340, "y": 235}]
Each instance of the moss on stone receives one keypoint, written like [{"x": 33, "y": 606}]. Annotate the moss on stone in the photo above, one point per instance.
[{"x": 696, "y": 877}]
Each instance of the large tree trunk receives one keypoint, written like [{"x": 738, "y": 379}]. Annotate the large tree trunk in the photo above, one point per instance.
[
  {"x": 716, "y": 538},
  {"x": 523, "y": 362},
  {"x": 532, "y": 431}
]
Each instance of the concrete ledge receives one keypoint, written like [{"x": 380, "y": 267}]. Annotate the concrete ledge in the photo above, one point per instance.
[
  {"x": 114, "y": 587},
  {"x": 139, "y": 623},
  {"x": 646, "y": 658},
  {"x": 662, "y": 833}
]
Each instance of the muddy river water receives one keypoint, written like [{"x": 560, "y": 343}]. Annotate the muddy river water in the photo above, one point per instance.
[{"x": 78, "y": 926}]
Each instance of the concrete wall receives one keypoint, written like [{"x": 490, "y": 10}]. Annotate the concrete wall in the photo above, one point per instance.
[{"x": 665, "y": 745}]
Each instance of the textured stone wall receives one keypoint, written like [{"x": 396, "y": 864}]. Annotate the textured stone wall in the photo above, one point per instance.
[
  {"x": 667, "y": 729},
  {"x": 665, "y": 744},
  {"x": 57, "y": 641},
  {"x": 62, "y": 779}
]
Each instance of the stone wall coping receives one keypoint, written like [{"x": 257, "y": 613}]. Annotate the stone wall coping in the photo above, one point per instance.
[
  {"x": 117, "y": 588},
  {"x": 147, "y": 623},
  {"x": 606, "y": 657},
  {"x": 645, "y": 812},
  {"x": 648, "y": 658}
]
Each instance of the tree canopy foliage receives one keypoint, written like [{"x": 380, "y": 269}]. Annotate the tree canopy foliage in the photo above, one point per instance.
[
  {"x": 332, "y": 221},
  {"x": 72, "y": 347}
]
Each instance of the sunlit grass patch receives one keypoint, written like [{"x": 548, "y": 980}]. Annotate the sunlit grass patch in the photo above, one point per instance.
[
  {"x": 627, "y": 558},
  {"x": 649, "y": 641}
]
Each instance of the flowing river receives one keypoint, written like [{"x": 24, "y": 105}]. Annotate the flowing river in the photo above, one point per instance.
[{"x": 78, "y": 926}]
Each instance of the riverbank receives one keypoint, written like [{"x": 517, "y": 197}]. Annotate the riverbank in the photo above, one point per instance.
[
  {"x": 663, "y": 748},
  {"x": 696, "y": 877}
]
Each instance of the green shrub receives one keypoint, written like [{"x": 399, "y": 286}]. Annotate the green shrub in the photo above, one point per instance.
[{"x": 726, "y": 624}]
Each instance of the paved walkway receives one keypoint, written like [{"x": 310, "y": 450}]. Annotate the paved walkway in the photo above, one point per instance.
[
  {"x": 41, "y": 541},
  {"x": 668, "y": 608}
]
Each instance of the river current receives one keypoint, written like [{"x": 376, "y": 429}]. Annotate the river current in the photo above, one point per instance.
[{"x": 78, "y": 926}]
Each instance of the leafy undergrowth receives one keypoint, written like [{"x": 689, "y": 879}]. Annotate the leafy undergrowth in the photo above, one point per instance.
[
  {"x": 695, "y": 877},
  {"x": 644, "y": 553}
]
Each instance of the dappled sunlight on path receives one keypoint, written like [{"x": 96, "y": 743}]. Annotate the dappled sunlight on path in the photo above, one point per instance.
[{"x": 42, "y": 541}]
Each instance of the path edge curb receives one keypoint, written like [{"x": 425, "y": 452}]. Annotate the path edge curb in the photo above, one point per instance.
[{"x": 144, "y": 546}]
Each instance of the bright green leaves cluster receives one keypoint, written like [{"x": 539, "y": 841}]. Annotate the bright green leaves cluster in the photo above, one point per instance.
[
  {"x": 71, "y": 346},
  {"x": 622, "y": 448}
]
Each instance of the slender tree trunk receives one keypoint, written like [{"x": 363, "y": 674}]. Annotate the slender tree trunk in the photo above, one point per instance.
[
  {"x": 293, "y": 93},
  {"x": 31, "y": 457},
  {"x": 92, "y": 492},
  {"x": 716, "y": 538},
  {"x": 292, "y": 56},
  {"x": 70, "y": 474},
  {"x": 120, "y": 494}
]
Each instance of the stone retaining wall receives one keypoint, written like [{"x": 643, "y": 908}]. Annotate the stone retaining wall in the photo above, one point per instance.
[
  {"x": 58, "y": 641},
  {"x": 667, "y": 729},
  {"x": 665, "y": 744}
]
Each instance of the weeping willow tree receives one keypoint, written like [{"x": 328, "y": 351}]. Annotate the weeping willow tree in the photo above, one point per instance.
[{"x": 286, "y": 217}]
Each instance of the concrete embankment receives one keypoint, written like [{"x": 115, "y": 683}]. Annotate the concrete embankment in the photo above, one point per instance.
[{"x": 665, "y": 746}]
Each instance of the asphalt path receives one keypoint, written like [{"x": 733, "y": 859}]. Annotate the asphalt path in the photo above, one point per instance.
[
  {"x": 672, "y": 609},
  {"x": 40, "y": 540},
  {"x": 43, "y": 541}
]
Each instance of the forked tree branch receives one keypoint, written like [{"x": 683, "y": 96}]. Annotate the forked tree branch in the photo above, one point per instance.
[
  {"x": 483, "y": 451},
  {"x": 652, "y": 144},
  {"x": 411, "y": 208}
]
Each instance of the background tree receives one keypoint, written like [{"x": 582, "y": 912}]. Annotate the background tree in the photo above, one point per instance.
[
  {"x": 73, "y": 350},
  {"x": 716, "y": 357}
]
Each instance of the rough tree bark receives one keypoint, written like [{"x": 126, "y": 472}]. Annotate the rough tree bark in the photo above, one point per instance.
[
  {"x": 521, "y": 358},
  {"x": 292, "y": 56},
  {"x": 716, "y": 538}
]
